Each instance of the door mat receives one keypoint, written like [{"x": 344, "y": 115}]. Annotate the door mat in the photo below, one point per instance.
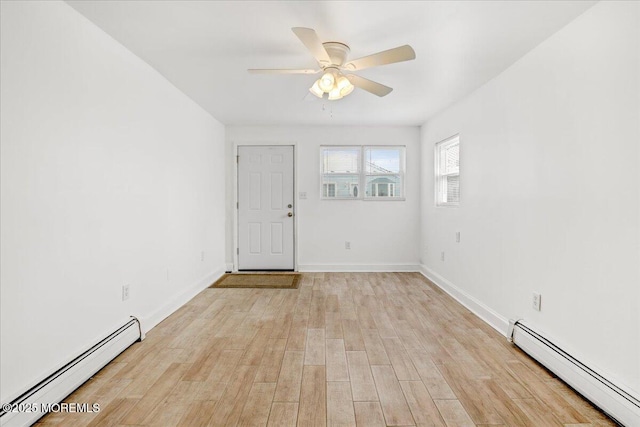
[{"x": 264, "y": 280}]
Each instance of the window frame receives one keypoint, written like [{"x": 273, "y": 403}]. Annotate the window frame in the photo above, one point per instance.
[
  {"x": 362, "y": 174},
  {"x": 323, "y": 174},
  {"x": 401, "y": 173},
  {"x": 440, "y": 177}
]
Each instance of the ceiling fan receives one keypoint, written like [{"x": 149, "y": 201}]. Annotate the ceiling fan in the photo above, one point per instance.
[{"x": 332, "y": 59}]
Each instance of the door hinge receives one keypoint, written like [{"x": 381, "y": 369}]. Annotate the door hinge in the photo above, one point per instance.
[
  {"x": 237, "y": 205},
  {"x": 237, "y": 159},
  {"x": 237, "y": 251}
]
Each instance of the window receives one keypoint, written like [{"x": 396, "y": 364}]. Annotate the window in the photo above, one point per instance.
[
  {"x": 329, "y": 189},
  {"x": 340, "y": 172},
  {"x": 447, "y": 157},
  {"x": 383, "y": 189},
  {"x": 384, "y": 171},
  {"x": 354, "y": 190},
  {"x": 369, "y": 172}
]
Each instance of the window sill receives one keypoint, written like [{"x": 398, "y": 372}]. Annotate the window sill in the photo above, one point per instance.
[{"x": 368, "y": 199}]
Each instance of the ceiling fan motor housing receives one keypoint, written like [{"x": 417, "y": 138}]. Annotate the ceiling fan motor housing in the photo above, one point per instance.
[{"x": 337, "y": 52}]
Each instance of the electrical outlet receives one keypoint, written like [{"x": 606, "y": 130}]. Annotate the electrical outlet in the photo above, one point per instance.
[
  {"x": 537, "y": 301},
  {"x": 125, "y": 292},
  {"x": 202, "y": 256},
  {"x": 441, "y": 256},
  {"x": 347, "y": 245},
  {"x": 457, "y": 237}
]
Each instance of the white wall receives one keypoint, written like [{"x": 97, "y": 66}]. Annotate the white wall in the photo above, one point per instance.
[
  {"x": 550, "y": 191},
  {"x": 110, "y": 176},
  {"x": 382, "y": 234}
]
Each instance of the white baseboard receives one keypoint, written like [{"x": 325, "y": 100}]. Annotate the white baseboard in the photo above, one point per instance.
[
  {"x": 357, "y": 268},
  {"x": 492, "y": 318},
  {"x": 149, "y": 322},
  {"x": 593, "y": 388},
  {"x": 44, "y": 396},
  {"x": 609, "y": 394},
  {"x": 71, "y": 378}
]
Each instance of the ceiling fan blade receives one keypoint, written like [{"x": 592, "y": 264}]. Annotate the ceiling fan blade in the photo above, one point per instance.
[
  {"x": 369, "y": 85},
  {"x": 398, "y": 54},
  {"x": 311, "y": 40},
  {"x": 282, "y": 71}
]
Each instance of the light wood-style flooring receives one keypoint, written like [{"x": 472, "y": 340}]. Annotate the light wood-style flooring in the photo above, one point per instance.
[{"x": 367, "y": 349}]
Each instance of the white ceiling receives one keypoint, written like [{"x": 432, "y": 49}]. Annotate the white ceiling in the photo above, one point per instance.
[{"x": 205, "y": 47}]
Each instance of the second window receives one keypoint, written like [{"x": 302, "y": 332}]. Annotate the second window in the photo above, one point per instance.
[{"x": 348, "y": 170}]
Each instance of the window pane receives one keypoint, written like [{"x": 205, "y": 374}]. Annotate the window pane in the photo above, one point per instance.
[
  {"x": 453, "y": 189},
  {"x": 448, "y": 171},
  {"x": 340, "y": 186},
  {"x": 340, "y": 160},
  {"x": 452, "y": 159},
  {"x": 329, "y": 190},
  {"x": 382, "y": 160},
  {"x": 384, "y": 186}
]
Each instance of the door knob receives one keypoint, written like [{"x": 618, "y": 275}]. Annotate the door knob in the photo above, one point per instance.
[
  {"x": 289, "y": 205},
  {"x": 290, "y": 214}
]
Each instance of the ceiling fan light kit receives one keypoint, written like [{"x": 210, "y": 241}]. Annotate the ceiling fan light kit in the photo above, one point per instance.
[
  {"x": 332, "y": 82},
  {"x": 345, "y": 86},
  {"x": 331, "y": 57},
  {"x": 327, "y": 81},
  {"x": 315, "y": 89},
  {"x": 334, "y": 95}
]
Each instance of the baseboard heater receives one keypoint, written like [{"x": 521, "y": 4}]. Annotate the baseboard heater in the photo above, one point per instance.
[
  {"x": 619, "y": 403},
  {"x": 31, "y": 405}
]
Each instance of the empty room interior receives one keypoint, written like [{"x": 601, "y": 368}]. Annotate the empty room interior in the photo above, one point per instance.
[{"x": 314, "y": 213}]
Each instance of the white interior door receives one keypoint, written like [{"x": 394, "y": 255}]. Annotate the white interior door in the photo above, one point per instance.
[{"x": 265, "y": 208}]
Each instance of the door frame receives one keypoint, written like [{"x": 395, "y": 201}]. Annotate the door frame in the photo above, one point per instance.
[{"x": 235, "y": 216}]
